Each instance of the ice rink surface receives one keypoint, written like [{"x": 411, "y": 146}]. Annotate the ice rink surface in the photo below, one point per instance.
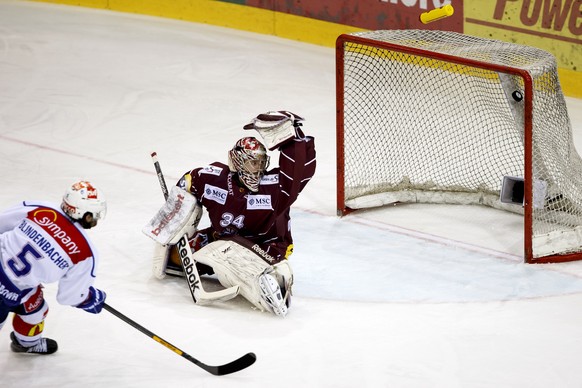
[{"x": 409, "y": 296}]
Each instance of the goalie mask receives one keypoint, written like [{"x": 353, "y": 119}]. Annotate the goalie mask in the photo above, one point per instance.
[
  {"x": 84, "y": 203},
  {"x": 249, "y": 160}
]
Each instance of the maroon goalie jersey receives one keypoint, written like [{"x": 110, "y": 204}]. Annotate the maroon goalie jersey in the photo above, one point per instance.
[{"x": 261, "y": 217}]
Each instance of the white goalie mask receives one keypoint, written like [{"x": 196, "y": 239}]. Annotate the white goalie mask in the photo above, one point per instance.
[
  {"x": 249, "y": 159},
  {"x": 81, "y": 198}
]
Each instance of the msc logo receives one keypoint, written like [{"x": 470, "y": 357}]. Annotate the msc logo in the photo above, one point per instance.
[
  {"x": 259, "y": 202},
  {"x": 215, "y": 194}
]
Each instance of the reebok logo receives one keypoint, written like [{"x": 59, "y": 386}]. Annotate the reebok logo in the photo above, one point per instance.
[
  {"x": 189, "y": 267},
  {"x": 264, "y": 255}
]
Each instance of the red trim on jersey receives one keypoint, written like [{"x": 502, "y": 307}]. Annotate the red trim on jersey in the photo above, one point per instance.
[{"x": 63, "y": 231}]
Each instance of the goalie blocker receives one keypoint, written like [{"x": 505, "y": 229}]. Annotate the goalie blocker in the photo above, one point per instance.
[
  {"x": 180, "y": 215},
  {"x": 173, "y": 224}
]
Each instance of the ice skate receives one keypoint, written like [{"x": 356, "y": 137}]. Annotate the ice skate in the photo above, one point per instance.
[
  {"x": 44, "y": 346},
  {"x": 271, "y": 293}
]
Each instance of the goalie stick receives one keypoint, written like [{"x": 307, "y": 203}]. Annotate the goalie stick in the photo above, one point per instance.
[
  {"x": 199, "y": 295},
  {"x": 218, "y": 370}
]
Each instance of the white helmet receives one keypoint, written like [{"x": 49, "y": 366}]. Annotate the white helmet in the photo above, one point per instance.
[
  {"x": 249, "y": 159},
  {"x": 81, "y": 198}
]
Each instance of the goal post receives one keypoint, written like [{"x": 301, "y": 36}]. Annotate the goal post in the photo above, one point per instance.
[{"x": 441, "y": 117}]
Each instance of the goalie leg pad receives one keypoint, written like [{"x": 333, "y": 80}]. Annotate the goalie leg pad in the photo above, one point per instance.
[
  {"x": 271, "y": 293},
  {"x": 160, "y": 260},
  {"x": 164, "y": 264},
  {"x": 235, "y": 265},
  {"x": 284, "y": 275}
]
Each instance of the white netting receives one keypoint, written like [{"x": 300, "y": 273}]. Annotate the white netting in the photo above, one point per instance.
[{"x": 420, "y": 129}]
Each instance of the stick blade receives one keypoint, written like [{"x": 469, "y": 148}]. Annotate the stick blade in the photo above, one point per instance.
[
  {"x": 232, "y": 367},
  {"x": 203, "y": 297}
]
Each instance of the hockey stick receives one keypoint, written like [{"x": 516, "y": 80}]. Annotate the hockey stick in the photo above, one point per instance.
[
  {"x": 160, "y": 175},
  {"x": 199, "y": 295},
  {"x": 219, "y": 370}
]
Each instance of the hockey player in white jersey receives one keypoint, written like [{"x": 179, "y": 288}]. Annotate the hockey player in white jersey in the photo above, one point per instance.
[{"x": 41, "y": 243}]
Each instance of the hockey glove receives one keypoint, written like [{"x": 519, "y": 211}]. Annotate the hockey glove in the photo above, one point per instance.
[
  {"x": 180, "y": 215},
  {"x": 277, "y": 127},
  {"x": 94, "y": 302}
]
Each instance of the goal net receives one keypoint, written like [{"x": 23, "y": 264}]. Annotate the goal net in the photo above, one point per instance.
[{"x": 442, "y": 117}]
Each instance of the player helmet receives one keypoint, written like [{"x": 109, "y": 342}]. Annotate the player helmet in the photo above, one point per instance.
[
  {"x": 82, "y": 198},
  {"x": 249, "y": 159}
]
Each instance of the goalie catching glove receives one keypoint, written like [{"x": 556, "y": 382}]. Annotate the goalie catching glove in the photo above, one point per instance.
[
  {"x": 277, "y": 127},
  {"x": 180, "y": 215}
]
